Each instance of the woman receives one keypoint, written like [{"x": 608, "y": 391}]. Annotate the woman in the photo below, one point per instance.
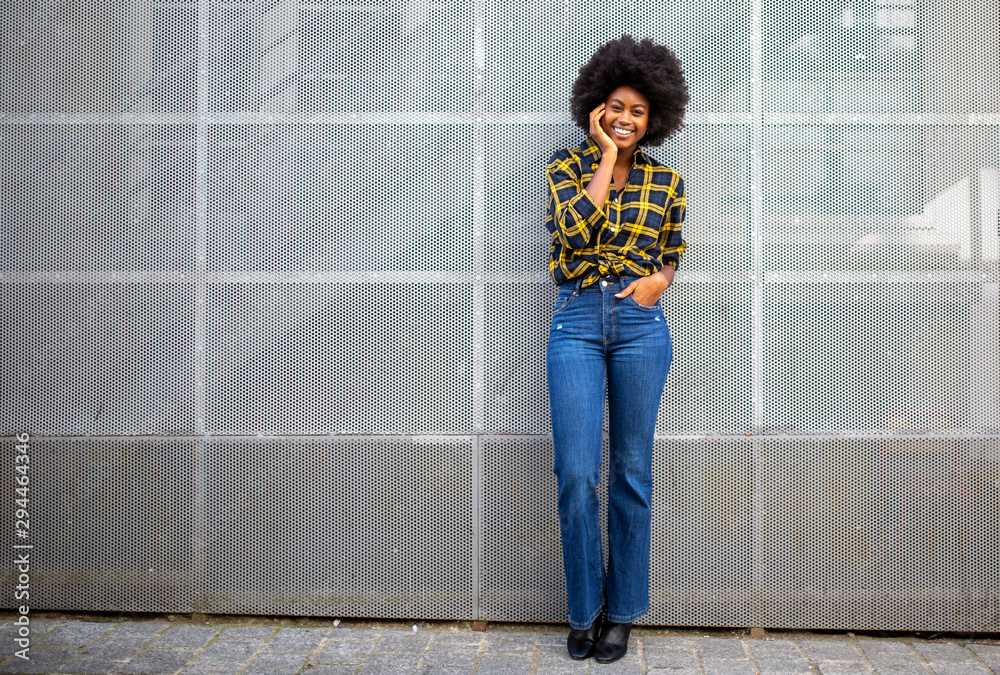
[{"x": 615, "y": 216}]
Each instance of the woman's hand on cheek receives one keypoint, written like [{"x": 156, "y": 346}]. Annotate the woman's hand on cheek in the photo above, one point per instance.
[{"x": 604, "y": 142}]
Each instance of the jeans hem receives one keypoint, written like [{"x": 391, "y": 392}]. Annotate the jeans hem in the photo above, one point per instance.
[
  {"x": 626, "y": 619},
  {"x": 593, "y": 617}
]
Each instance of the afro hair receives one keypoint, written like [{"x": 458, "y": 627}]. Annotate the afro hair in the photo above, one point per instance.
[{"x": 652, "y": 69}]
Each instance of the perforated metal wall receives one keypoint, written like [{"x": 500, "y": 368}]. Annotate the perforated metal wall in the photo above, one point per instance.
[{"x": 274, "y": 278}]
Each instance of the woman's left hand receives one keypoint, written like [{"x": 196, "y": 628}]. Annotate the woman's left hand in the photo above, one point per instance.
[{"x": 647, "y": 290}]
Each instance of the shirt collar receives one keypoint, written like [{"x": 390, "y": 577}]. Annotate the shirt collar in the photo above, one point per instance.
[{"x": 592, "y": 152}]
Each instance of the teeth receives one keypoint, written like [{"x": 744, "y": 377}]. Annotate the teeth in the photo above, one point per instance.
[{"x": 621, "y": 132}]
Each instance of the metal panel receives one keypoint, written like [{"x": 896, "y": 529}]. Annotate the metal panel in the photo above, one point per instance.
[
  {"x": 370, "y": 527},
  {"x": 110, "y": 526},
  {"x": 286, "y": 358},
  {"x": 96, "y": 57},
  {"x": 534, "y": 49},
  {"x": 97, "y": 196},
  {"x": 99, "y": 358},
  {"x": 880, "y": 532},
  {"x": 356, "y": 198}
]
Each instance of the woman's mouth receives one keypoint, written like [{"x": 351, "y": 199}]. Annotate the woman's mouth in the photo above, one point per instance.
[{"x": 622, "y": 133}]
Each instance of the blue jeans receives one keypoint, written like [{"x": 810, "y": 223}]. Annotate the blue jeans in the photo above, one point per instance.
[{"x": 599, "y": 343}]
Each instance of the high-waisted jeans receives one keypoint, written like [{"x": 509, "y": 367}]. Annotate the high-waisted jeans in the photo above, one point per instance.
[{"x": 602, "y": 344}]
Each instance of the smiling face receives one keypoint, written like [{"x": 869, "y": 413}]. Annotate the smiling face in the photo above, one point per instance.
[{"x": 626, "y": 115}]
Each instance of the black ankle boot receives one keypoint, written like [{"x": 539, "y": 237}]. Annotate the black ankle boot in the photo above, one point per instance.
[
  {"x": 613, "y": 642},
  {"x": 580, "y": 642}
]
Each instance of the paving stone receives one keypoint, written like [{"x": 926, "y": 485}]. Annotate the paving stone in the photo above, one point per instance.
[
  {"x": 355, "y": 633},
  {"x": 212, "y": 669},
  {"x": 156, "y": 662},
  {"x": 768, "y": 646},
  {"x": 279, "y": 664},
  {"x": 514, "y": 643},
  {"x": 391, "y": 664},
  {"x": 504, "y": 664},
  {"x": 345, "y": 652},
  {"x": 665, "y": 641},
  {"x": 115, "y": 648},
  {"x": 843, "y": 668},
  {"x": 554, "y": 639},
  {"x": 959, "y": 669},
  {"x": 720, "y": 648},
  {"x": 895, "y": 662},
  {"x": 630, "y": 664},
  {"x": 138, "y": 628},
  {"x": 944, "y": 652},
  {"x": 459, "y": 637},
  {"x": 297, "y": 639},
  {"x": 229, "y": 651},
  {"x": 672, "y": 657},
  {"x": 259, "y": 633},
  {"x": 884, "y": 647},
  {"x": 36, "y": 626},
  {"x": 43, "y": 660},
  {"x": 829, "y": 650},
  {"x": 90, "y": 666},
  {"x": 782, "y": 662},
  {"x": 674, "y": 671},
  {"x": 446, "y": 670},
  {"x": 404, "y": 642},
  {"x": 76, "y": 633},
  {"x": 556, "y": 656},
  {"x": 728, "y": 667},
  {"x": 451, "y": 655},
  {"x": 331, "y": 670},
  {"x": 555, "y": 671},
  {"x": 992, "y": 663},
  {"x": 185, "y": 637},
  {"x": 983, "y": 649}
]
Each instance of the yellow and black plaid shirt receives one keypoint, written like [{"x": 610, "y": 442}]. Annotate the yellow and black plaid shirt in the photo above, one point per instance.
[{"x": 637, "y": 231}]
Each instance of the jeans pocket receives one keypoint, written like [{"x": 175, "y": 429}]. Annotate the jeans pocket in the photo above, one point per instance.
[
  {"x": 631, "y": 298},
  {"x": 564, "y": 300}
]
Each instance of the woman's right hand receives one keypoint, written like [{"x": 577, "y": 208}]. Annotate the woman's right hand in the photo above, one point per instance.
[{"x": 597, "y": 132}]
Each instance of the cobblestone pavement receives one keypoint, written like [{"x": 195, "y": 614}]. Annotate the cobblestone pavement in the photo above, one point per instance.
[{"x": 196, "y": 644}]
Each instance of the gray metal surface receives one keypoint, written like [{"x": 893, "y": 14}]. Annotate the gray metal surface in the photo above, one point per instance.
[
  {"x": 274, "y": 276},
  {"x": 375, "y": 527}
]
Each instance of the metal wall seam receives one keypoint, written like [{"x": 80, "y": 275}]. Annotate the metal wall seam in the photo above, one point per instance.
[
  {"x": 408, "y": 277},
  {"x": 199, "y": 521},
  {"x": 478, "y": 305},
  {"x": 500, "y": 119},
  {"x": 757, "y": 330},
  {"x": 448, "y": 438}
]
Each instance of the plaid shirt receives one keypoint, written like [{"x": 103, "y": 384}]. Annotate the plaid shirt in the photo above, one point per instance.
[{"x": 634, "y": 237}]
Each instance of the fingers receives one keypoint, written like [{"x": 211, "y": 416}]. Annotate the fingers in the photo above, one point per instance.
[
  {"x": 627, "y": 290},
  {"x": 595, "y": 117}
]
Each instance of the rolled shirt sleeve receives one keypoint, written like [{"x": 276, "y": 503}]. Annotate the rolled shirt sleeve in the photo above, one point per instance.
[{"x": 573, "y": 215}]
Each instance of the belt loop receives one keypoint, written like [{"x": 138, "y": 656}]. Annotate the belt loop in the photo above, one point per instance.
[{"x": 577, "y": 284}]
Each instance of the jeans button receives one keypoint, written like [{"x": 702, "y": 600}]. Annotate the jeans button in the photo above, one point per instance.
[{"x": 604, "y": 283}]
